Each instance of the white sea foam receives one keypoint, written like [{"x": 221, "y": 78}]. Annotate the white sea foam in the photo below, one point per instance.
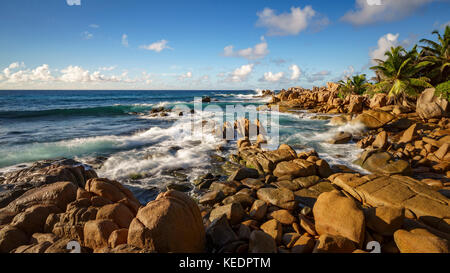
[
  {"x": 225, "y": 95},
  {"x": 170, "y": 103},
  {"x": 316, "y": 134},
  {"x": 352, "y": 128},
  {"x": 177, "y": 148},
  {"x": 177, "y": 134}
]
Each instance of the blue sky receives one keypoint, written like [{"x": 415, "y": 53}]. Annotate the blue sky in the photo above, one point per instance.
[{"x": 207, "y": 44}]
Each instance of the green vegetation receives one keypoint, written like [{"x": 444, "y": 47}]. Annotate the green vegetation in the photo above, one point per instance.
[
  {"x": 355, "y": 85},
  {"x": 399, "y": 73},
  {"x": 443, "y": 90},
  {"x": 405, "y": 74}
]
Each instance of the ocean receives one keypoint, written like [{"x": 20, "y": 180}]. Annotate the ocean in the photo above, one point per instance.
[{"x": 143, "y": 151}]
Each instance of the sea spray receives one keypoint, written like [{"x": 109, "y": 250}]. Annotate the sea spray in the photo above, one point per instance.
[{"x": 177, "y": 151}]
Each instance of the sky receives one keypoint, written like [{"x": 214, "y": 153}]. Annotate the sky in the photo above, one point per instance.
[{"x": 203, "y": 44}]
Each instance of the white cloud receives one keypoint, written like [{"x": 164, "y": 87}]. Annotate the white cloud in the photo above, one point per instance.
[
  {"x": 157, "y": 46},
  {"x": 124, "y": 78},
  {"x": 271, "y": 77},
  {"x": 97, "y": 76},
  {"x": 40, "y": 73},
  {"x": 348, "y": 72},
  {"x": 186, "y": 75},
  {"x": 87, "y": 35},
  {"x": 19, "y": 76},
  {"x": 67, "y": 77},
  {"x": 73, "y": 2},
  {"x": 241, "y": 73},
  {"x": 14, "y": 65},
  {"x": 367, "y": 11},
  {"x": 108, "y": 68},
  {"x": 125, "y": 40},
  {"x": 296, "y": 72},
  {"x": 259, "y": 51},
  {"x": 290, "y": 23},
  {"x": 384, "y": 43},
  {"x": 201, "y": 81},
  {"x": 94, "y": 26},
  {"x": 75, "y": 74},
  {"x": 146, "y": 78},
  {"x": 228, "y": 51}
]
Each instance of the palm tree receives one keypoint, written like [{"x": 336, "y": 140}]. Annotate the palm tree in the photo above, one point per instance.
[
  {"x": 439, "y": 54},
  {"x": 399, "y": 74},
  {"x": 360, "y": 84},
  {"x": 354, "y": 85}
]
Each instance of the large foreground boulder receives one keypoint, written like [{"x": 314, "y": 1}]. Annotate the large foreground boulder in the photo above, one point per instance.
[
  {"x": 430, "y": 106},
  {"x": 171, "y": 223},
  {"x": 336, "y": 214}
]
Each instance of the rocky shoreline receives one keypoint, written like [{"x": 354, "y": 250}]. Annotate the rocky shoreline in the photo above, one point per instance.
[{"x": 276, "y": 201}]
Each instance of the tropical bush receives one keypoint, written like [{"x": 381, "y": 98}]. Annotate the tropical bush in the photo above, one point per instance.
[
  {"x": 443, "y": 90},
  {"x": 354, "y": 85}
]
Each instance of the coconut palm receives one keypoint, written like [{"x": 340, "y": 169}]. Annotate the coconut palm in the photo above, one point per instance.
[
  {"x": 399, "y": 74},
  {"x": 438, "y": 53},
  {"x": 354, "y": 85}
]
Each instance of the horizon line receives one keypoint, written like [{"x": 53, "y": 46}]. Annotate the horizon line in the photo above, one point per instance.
[{"x": 131, "y": 89}]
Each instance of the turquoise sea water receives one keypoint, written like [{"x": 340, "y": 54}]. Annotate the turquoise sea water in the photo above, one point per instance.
[{"x": 36, "y": 125}]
